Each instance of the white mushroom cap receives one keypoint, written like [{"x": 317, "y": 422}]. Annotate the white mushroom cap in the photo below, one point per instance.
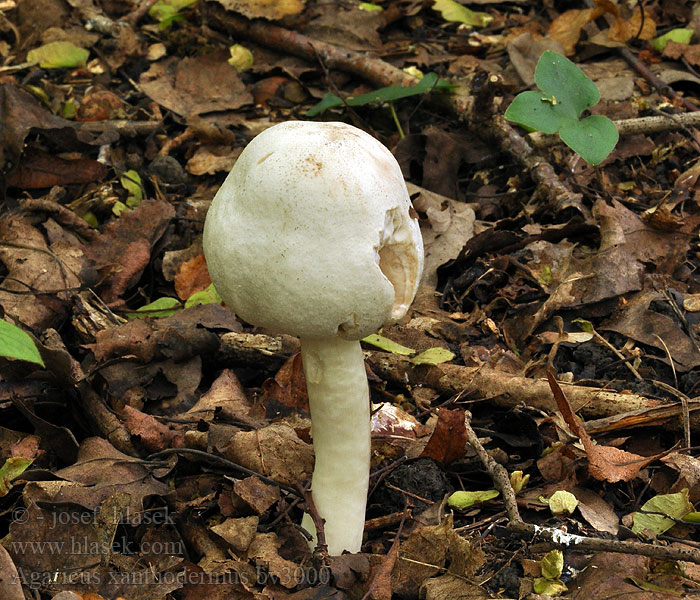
[{"x": 311, "y": 234}]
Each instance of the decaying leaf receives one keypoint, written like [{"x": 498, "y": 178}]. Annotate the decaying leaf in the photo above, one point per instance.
[
  {"x": 449, "y": 439},
  {"x": 264, "y": 9},
  {"x": 604, "y": 462},
  {"x": 275, "y": 451}
]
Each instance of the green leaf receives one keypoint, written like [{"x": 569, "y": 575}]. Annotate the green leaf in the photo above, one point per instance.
[
  {"x": 652, "y": 587},
  {"x": 565, "y": 93},
  {"x": 544, "y": 586},
  {"x": 692, "y": 517},
  {"x": 557, "y": 76},
  {"x": 12, "y": 469},
  {"x": 456, "y": 13},
  {"x": 57, "y": 55},
  {"x": 593, "y": 138},
  {"x": 15, "y": 343},
  {"x": 369, "y": 7},
  {"x": 241, "y": 58},
  {"x": 166, "y": 12},
  {"x": 433, "y": 356},
  {"x": 163, "y": 307},
  {"x": 118, "y": 208},
  {"x": 585, "y": 325},
  {"x": 205, "y": 296},
  {"x": 552, "y": 564},
  {"x": 131, "y": 182},
  {"x": 680, "y": 36},
  {"x": 533, "y": 111},
  {"x": 518, "y": 481},
  {"x": 674, "y": 505},
  {"x": 462, "y": 500},
  {"x": 386, "y": 94},
  {"x": 561, "y": 501},
  {"x": 387, "y": 345}
]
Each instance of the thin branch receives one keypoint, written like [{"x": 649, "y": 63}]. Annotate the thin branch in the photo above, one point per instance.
[{"x": 557, "y": 537}]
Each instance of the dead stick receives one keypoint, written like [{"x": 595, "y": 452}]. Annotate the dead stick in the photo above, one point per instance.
[
  {"x": 631, "y": 127},
  {"x": 556, "y": 537},
  {"x": 507, "y": 389}
]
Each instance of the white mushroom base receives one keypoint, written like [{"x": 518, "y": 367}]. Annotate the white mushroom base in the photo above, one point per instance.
[{"x": 339, "y": 402}]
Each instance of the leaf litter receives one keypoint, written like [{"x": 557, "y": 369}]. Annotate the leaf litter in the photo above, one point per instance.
[{"x": 169, "y": 447}]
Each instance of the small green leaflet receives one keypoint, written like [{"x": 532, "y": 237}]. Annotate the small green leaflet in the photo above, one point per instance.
[
  {"x": 560, "y": 502},
  {"x": 433, "y": 356},
  {"x": 387, "y": 345},
  {"x": 674, "y": 505},
  {"x": 456, "y": 13},
  {"x": 208, "y": 295},
  {"x": 56, "y": 55},
  {"x": 386, "y": 94},
  {"x": 15, "y": 343},
  {"x": 166, "y": 12},
  {"x": 131, "y": 182},
  {"x": 163, "y": 307},
  {"x": 551, "y": 568},
  {"x": 462, "y": 500},
  {"x": 680, "y": 36},
  {"x": 12, "y": 469}
]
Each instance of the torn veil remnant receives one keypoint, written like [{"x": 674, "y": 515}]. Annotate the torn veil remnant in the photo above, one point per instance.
[{"x": 311, "y": 235}]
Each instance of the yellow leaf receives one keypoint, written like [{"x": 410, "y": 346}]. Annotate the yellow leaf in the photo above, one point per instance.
[{"x": 456, "y": 13}]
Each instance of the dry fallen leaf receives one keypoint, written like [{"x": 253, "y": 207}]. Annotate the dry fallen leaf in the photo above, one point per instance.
[
  {"x": 449, "y": 439},
  {"x": 605, "y": 463},
  {"x": 264, "y": 9}
]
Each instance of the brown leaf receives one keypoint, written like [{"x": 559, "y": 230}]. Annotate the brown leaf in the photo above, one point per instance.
[
  {"x": 101, "y": 470},
  {"x": 449, "y": 440},
  {"x": 19, "y": 113},
  {"x": 566, "y": 28},
  {"x": 32, "y": 265},
  {"x": 264, "y": 9},
  {"x": 256, "y": 493},
  {"x": 381, "y": 579},
  {"x": 192, "y": 277},
  {"x": 449, "y": 227},
  {"x": 597, "y": 512},
  {"x": 605, "y": 463},
  {"x": 225, "y": 398},
  {"x": 286, "y": 392},
  {"x": 154, "y": 435},
  {"x": 195, "y": 85},
  {"x": 38, "y": 169},
  {"x": 265, "y": 551},
  {"x": 123, "y": 250},
  {"x": 10, "y": 582},
  {"x": 623, "y": 30},
  {"x": 275, "y": 451},
  {"x": 238, "y": 533}
]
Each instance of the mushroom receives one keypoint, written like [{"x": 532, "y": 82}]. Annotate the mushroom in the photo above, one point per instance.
[{"x": 312, "y": 235}]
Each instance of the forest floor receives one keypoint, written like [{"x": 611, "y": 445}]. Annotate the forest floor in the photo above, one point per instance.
[{"x": 161, "y": 449}]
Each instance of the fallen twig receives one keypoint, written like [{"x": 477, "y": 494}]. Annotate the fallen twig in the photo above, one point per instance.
[
  {"x": 557, "y": 537},
  {"x": 460, "y": 103},
  {"x": 506, "y": 389},
  {"x": 630, "y": 127}
]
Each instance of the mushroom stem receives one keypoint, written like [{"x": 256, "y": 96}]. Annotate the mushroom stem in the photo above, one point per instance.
[{"x": 339, "y": 400}]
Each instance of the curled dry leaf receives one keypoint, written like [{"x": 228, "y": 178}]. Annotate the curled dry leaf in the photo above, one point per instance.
[
  {"x": 449, "y": 226},
  {"x": 605, "y": 463},
  {"x": 154, "y": 435}
]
